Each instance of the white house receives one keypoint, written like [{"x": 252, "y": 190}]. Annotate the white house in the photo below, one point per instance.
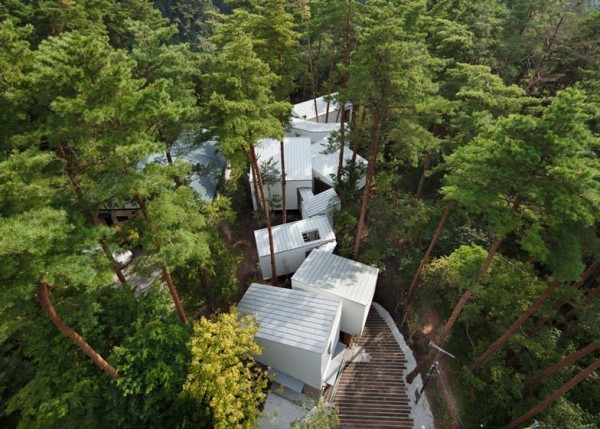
[
  {"x": 325, "y": 161},
  {"x": 298, "y": 171},
  {"x": 298, "y": 331},
  {"x": 332, "y": 276},
  {"x": 325, "y": 109},
  {"x": 315, "y": 131},
  {"x": 292, "y": 242},
  {"x": 325, "y": 203}
]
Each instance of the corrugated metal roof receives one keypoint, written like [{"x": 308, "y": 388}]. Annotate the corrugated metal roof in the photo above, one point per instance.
[
  {"x": 306, "y": 109},
  {"x": 328, "y": 247},
  {"x": 325, "y": 162},
  {"x": 322, "y": 203},
  {"x": 339, "y": 276},
  {"x": 297, "y": 152},
  {"x": 305, "y": 193},
  {"x": 293, "y": 317},
  {"x": 289, "y": 235}
]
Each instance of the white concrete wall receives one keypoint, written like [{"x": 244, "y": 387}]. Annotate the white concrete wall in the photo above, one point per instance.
[
  {"x": 291, "y": 192},
  {"x": 332, "y": 341},
  {"x": 354, "y": 315},
  {"x": 287, "y": 262},
  {"x": 301, "y": 364}
]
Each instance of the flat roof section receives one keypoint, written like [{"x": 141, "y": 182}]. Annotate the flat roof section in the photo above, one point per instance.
[{"x": 297, "y": 153}]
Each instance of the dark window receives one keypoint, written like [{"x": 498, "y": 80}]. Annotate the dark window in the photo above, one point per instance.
[{"x": 122, "y": 218}]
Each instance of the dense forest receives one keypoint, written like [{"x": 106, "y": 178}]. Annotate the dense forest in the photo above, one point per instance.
[{"x": 480, "y": 120}]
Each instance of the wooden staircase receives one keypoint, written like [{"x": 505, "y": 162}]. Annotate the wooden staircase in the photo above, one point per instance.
[{"x": 372, "y": 393}]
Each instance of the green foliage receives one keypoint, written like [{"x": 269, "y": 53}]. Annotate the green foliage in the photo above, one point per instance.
[
  {"x": 321, "y": 416},
  {"x": 223, "y": 374}
]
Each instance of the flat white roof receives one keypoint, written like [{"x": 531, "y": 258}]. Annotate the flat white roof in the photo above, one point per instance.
[
  {"x": 306, "y": 109},
  {"x": 315, "y": 127},
  {"x": 289, "y": 316},
  {"x": 325, "y": 161},
  {"x": 321, "y": 203},
  {"x": 339, "y": 276},
  {"x": 289, "y": 235},
  {"x": 297, "y": 153}
]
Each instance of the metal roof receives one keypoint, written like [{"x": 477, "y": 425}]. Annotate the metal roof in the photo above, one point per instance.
[
  {"x": 305, "y": 193},
  {"x": 207, "y": 165},
  {"x": 306, "y": 109},
  {"x": 288, "y": 316},
  {"x": 325, "y": 161},
  {"x": 322, "y": 203},
  {"x": 297, "y": 152},
  {"x": 289, "y": 235},
  {"x": 339, "y": 276},
  {"x": 302, "y": 124}
]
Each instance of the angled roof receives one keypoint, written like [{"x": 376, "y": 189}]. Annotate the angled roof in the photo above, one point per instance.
[
  {"x": 289, "y": 235},
  {"x": 325, "y": 161},
  {"x": 207, "y": 164},
  {"x": 288, "y": 316},
  {"x": 297, "y": 153},
  {"x": 306, "y": 109},
  {"x": 302, "y": 124},
  {"x": 321, "y": 203},
  {"x": 339, "y": 276}
]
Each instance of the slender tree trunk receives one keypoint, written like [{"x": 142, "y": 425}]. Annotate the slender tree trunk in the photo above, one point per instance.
[
  {"x": 373, "y": 152},
  {"x": 496, "y": 345},
  {"x": 425, "y": 258},
  {"x": 342, "y": 145},
  {"x": 165, "y": 268},
  {"x": 357, "y": 134},
  {"x": 345, "y": 77},
  {"x": 425, "y": 169},
  {"x": 174, "y": 294},
  {"x": 79, "y": 193},
  {"x": 443, "y": 335},
  {"x": 558, "y": 305},
  {"x": 330, "y": 83},
  {"x": 254, "y": 162},
  {"x": 536, "y": 77},
  {"x": 283, "y": 184},
  {"x": 44, "y": 297},
  {"x": 313, "y": 77},
  {"x": 539, "y": 376},
  {"x": 176, "y": 178},
  {"x": 550, "y": 399}
]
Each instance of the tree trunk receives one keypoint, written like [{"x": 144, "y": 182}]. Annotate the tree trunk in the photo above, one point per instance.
[
  {"x": 558, "y": 305},
  {"x": 496, "y": 345},
  {"x": 176, "y": 178},
  {"x": 425, "y": 169},
  {"x": 425, "y": 258},
  {"x": 539, "y": 376},
  {"x": 283, "y": 184},
  {"x": 330, "y": 83},
  {"x": 114, "y": 263},
  {"x": 357, "y": 134},
  {"x": 550, "y": 399},
  {"x": 342, "y": 145},
  {"x": 313, "y": 76},
  {"x": 44, "y": 298},
  {"x": 443, "y": 335},
  {"x": 254, "y": 162},
  {"x": 373, "y": 152},
  {"x": 536, "y": 77},
  {"x": 174, "y": 294},
  {"x": 140, "y": 200}
]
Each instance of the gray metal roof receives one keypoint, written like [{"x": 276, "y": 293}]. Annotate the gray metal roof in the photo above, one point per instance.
[
  {"x": 310, "y": 126},
  {"x": 297, "y": 153},
  {"x": 293, "y": 317},
  {"x": 306, "y": 109},
  {"x": 322, "y": 203},
  {"x": 339, "y": 276},
  {"x": 325, "y": 162},
  {"x": 289, "y": 235},
  {"x": 305, "y": 193}
]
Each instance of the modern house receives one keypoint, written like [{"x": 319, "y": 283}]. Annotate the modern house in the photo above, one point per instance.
[
  {"x": 298, "y": 172},
  {"x": 325, "y": 109},
  {"x": 325, "y": 161},
  {"x": 325, "y": 203},
  {"x": 298, "y": 331},
  {"x": 332, "y": 276},
  {"x": 292, "y": 243}
]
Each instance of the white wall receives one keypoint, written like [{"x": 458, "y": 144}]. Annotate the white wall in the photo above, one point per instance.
[
  {"x": 299, "y": 363},
  {"x": 291, "y": 193},
  {"x": 314, "y": 136},
  {"x": 354, "y": 315},
  {"x": 332, "y": 341},
  {"x": 289, "y": 261}
]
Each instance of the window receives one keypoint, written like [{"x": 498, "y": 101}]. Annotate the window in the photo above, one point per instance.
[
  {"x": 122, "y": 218},
  {"x": 309, "y": 236}
]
